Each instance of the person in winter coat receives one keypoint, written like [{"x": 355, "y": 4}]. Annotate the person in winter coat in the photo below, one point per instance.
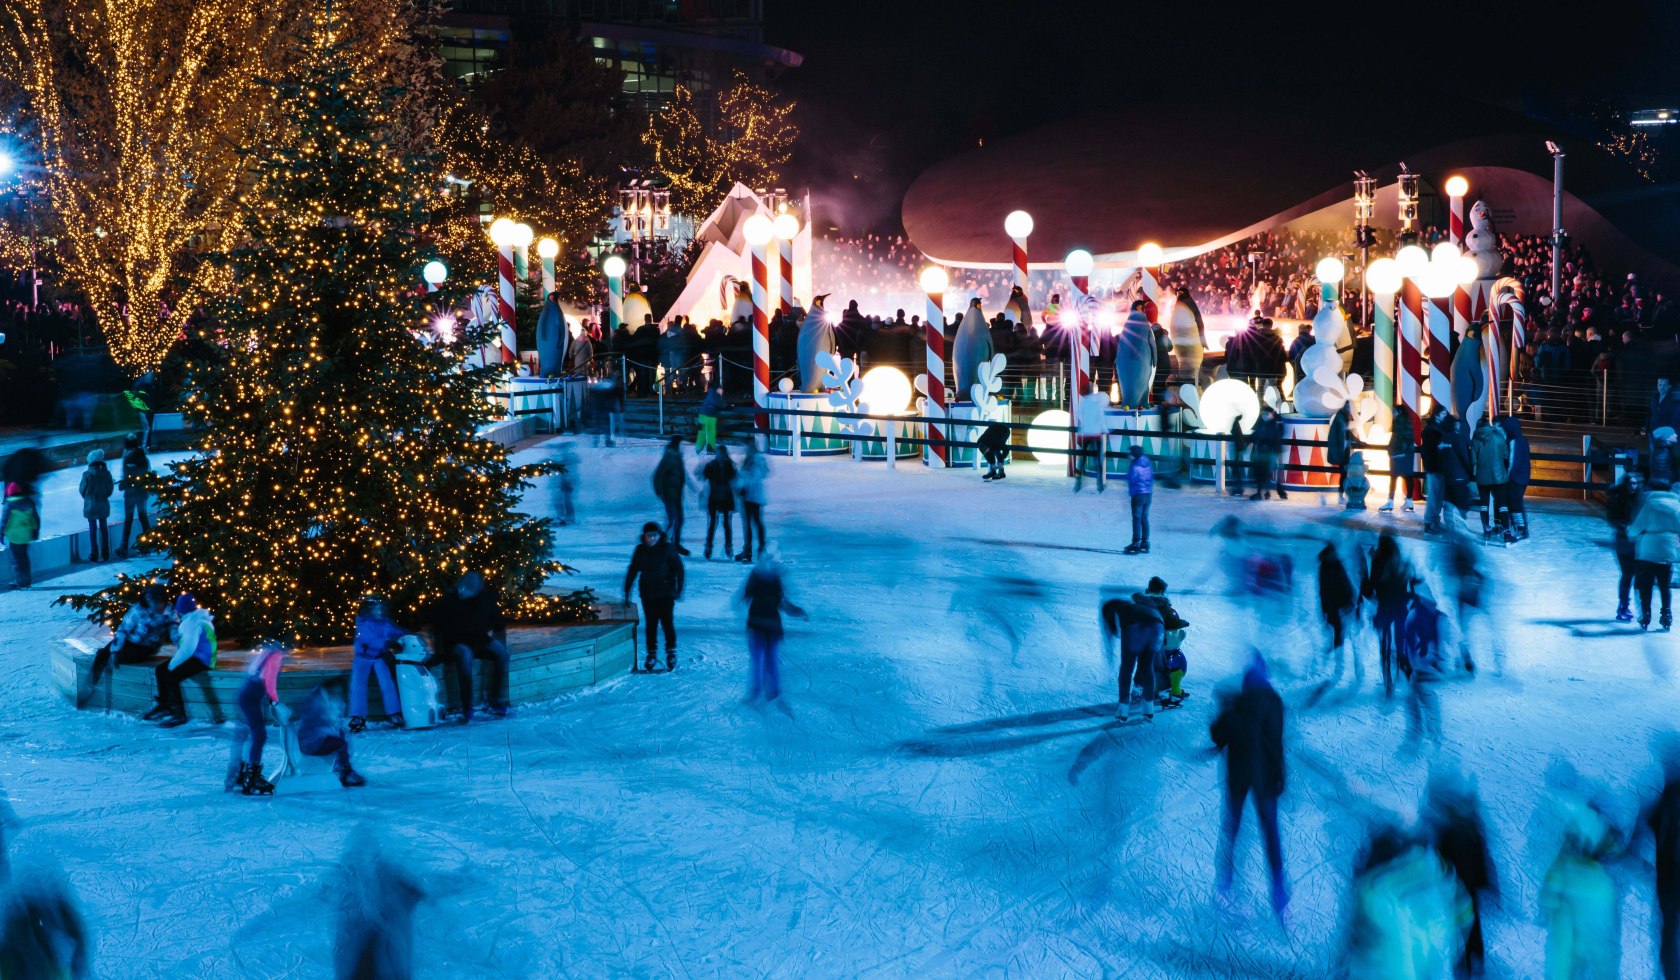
[
  {"x": 707, "y": 414},
  {"x": 96, "y": 489},
  {"x": 1093, "y": 437},
  {"x": 1424, "y": 665},
  {"x": 1490, "y": 463},
  {"x": 1267, "y": 440},
  {"x": 41, "y": 932},
  {"x": 1340, "y": 449},
  {"x": 749, "y": 483},
  {"x": 376, "y": 636},
  {"x": 718, "y": 476},
  {"x": 1141, "y": 630},
  {"x": 659, "y": 566},
  {"x": 321, "y": 730},
  {"x": 1656, "y": 544},
  {"x": 1337, "y": 598},
  {"x": 1409, "y": 913},
  {"x": 1167, "y": 675},
  {"x": 765, "y": 597},
  {"x": 670, "y": 479},
  {"x": 1435, "y": 487},
  {"x": 1402, "y": 452},
  {"x": 994, "y": 449},
  {"x": 1517, "y": 488},
  {"x": 144, "y": 629},
  {"x": 1140, "y": 485},
  {"x": 20, "y": 524},
  {"x": 1580, "y": 900},
  {"x": 566, "y": 482},
  {"x": 195, "y": 653},
  {"x": 376, "y": 900},
  {"x": 261, "y": 689},
  {"x": 1453, "y": 821},
  {"x": 135, "y": 466},
  {"x": 468, "y": 626},
  {"x": 1389, "y": 582},
  {"x": 1662, "y": 818},
  {"x": 1620, "y": 507},
  {"x": 1249, "y": 729}
]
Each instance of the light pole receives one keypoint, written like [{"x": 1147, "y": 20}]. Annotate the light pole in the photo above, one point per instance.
[
  {"x": 434, "y": 273},
  {"x": 613, "y": 267},
  {"x": 1364, "y": 209},
  {"x": 1018, "y": 225},
  {"x": 758, "y": 231},
  {"x": 1079, "y": 265},
  {"x": 522, "y": 235},
  {"x": 503, "y": 233},
  {"x": 1557, "y": 221},
  {"x": 1382, "y": 280},
  {"x": 786, "y": 227},
  {"x": 547, "y": 249},
  {"x": 934, "y": 282}
]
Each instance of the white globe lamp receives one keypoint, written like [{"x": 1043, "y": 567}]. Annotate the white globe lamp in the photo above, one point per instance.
[
  {"x": 1384, "y": 276},
  {"x": 548, "y": 248},
  {"x": 1079, "y": 263},
  {"x": 1018, "y": 224},
  {"x": 1049, "y": 445},
  {"x": 435, "y": 272},
  {"x": 786, "y": 226},
  {"x": 934, "y": 279},
  {"x": 1150, "y": 255},
  {"x": 503, "y": 232},
  {"x": 1411, "y": 261},
  {"x": 1329, "y": 270},
  {"x": 613, "y": 266},
  {"x": 758, "y": 230},
  {"x": 886, "y": 391}
]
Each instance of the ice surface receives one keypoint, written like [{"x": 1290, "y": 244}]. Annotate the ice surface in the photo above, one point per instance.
[{"x": 933, "y": 802}]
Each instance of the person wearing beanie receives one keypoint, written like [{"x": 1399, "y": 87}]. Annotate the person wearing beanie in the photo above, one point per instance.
[
  {"x": 376, "y": 636},
  {"x": 96, "y": 489},
  {"x": 20, "y": 523},
  {"x": 660, "y": 568},
  {"x": 135, "y": 465},
  {"x": 195, "y": 653}
]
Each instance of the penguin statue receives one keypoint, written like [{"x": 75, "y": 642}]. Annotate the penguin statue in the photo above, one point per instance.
[
  {"x": 737, "y": 299},
  {"x": 816, "y": 336},
  {"x": 1017, "y": 310},
  {"x": 1330, "y": 328},
  {"x": 972, "y": 346},
  {"x": 1189, "y": 337},
  {"x": 1134, "y": 358},
  {"x": 636, "y": 307},
  {"x": 1481, "y": 242},
  {"x": 551, "y": 338},
  {"x": 1469, "y": 380}
]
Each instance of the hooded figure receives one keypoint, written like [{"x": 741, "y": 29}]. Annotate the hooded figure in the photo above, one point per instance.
[
  {"x": 972, "y": 348},
  {"x": 1017, "y": 310},
  {"x": 551, "y": 338},
  {"x": 816, "y": 336},
  {"x": 1469, "y": 382},
  {"x": 1134, "y": 358},
  {"x": 1189, "y": 337}
]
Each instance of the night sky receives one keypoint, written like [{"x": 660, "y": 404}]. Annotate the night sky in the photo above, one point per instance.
[{"x": 890, "y": 86}]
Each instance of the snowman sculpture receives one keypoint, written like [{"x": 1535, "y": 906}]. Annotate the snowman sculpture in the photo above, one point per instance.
[{"x": 1481, "y": 242}]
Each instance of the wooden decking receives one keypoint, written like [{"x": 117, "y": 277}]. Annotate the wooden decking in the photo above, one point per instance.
[{"x": 545, "y": 661}]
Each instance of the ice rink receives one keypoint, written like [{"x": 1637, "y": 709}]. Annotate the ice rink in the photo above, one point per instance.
[{"x": 945, "y": 791}]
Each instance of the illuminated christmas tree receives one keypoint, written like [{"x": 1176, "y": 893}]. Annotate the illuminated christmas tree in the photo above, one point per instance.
[{"x": 340, "y": 455}]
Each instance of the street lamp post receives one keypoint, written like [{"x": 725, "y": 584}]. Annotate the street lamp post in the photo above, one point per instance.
[
  {"x": 1079, "y": 264},
  {"x": 786, "y": 227},
  {"x": 758, "y": 231},
  {"x": 547, "y": 249},
  {"x": 613, "y": 267},
  {"x": 1557, "y": 220},
  {"x": 1150, "y": 258},
  {"x": 934, "y": 282},
  {"x": 504, "y": 234},
  {"x": 1018, "y": 225}
]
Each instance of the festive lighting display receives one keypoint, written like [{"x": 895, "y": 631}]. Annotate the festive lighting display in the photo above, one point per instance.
[
  {"x": 756, "y": 144},
  {"x": 340, "y": 454},
  {"x": 139, "y": 109}
]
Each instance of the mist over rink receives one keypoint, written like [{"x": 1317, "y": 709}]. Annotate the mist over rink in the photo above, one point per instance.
[{"x": 939, "y": 798}]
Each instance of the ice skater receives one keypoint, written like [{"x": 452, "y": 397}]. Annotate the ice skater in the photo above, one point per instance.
[
  {"x": 1338, "y": 603},
  {"x": 1620, "y": 507},
  {"x": 195, "y": 653},
  {"x": 323, "y": 731},
  {"x": 994, "y": 449},
  {"x": 1402, "y": 461},
  {"x": 376, "y": 638},
  {"x": 750, "y": 478},
  {"x": 1389, "y": 581},
  {"x": 1464, "y": 568},
  {"x": 1453, "y": 819},
  {"x": 1409, "y": 912},
  {"x": 1169, "y": 663},
  {"x": 20, "y": 525},
  {"x": 670, "y": 479},
  {"x": 1661, "y": 818},
  {"x": 96, "y": 489},
  {"x": 765, "y": 596},
  {"x": 706, "y": 419},
  {"x": 1249, "y": 730},
  {"x": 1140, "y": 486},
  {"x": 1580, "y": 900},
  {"x": 718, "y": 477},
  {"x": 565, "y": 483},
  {"x": 1141, "y": 630},
  {"x": 377, "y": 898},
  {"x": 261, "y": 690},
  {"x": 136, "y": 467},
  {"x": 141, "y": 634},
  {"x": 1424, "y": 665},
  {"x": 658, "y": 565},
  {"x": 468, "y": 626},
  {"x": 1655, "y": 533},
  {"x": 42, "y": 933}
]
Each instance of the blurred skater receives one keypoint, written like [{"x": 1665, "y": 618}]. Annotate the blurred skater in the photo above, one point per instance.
[
  {"x": 1655, "y": 533},
  {"x": 1409, "y": 913},
  {"x": 377, "y": 897},
  {"x": 1424, "y": 665},
  {"x": 1141, "y": 630},
  {"x": 42, "y": 934},
  {"x": 718, "y": 477},
  {"x": 1453, "y": 819},
  {"x": 261, "y": 689},
  {"x": 1580, "y": 901},
  {"x": 1249, "y": 729},
  {"x": 1389, "y": 582},
  {"x": 1169, "y": 663},
  {"x": 1402, "y": 461},
  {"x": 20, "y": 524},
  {"x": 657, "y": 563},
  {"x": 323, "y": 731},
  {"x": 1464, "y": 570},
  {"x": 766, "y": 599},
  {"x": 565, "y": 483},
  {"x": 1621, "y": 504},
  {"x": 749, "y": 483},
  {"x": 1338, "y": 603},
  {"x": 1662, "y": 819},
  {"x": 670, "y": 479}
]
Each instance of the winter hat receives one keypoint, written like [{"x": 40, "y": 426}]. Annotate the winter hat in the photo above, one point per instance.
[
  {"x": 14, "y": 489},
  {"x": 185, "y": 604},
  {"x": 1136, "y": 451},
  {"x": 97, "y": 456},
  {"x": 650, "y": 528},
  {"x": 1157, "y": 585}
]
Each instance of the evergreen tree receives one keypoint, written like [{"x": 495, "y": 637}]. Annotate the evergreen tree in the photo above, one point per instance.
[{"x": 340, "y": 455}]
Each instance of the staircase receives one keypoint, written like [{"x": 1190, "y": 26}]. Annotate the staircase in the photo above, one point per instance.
[{"x": 642, "y": 419}]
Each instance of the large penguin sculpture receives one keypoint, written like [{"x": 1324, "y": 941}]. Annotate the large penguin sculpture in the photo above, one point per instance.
[
  {"x": 1469, "y": 379},
  {"x": 737, "y": 299},
  {"x": 1189, "y": 337},
  {"x": 551, "y": 338},
  {"x": 816, "y": 336},
  {"x": 972, "y": 346},
  {"x": 1017, "y": 310},
  {"x": 636, "y": 307},
  {"x": 1134, "y": 357}
]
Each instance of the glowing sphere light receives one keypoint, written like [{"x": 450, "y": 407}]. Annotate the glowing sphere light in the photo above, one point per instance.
[
  {"x": 1411, "y": 261},
  {"x": 1227, "y": 400},
  {"x": 613, "y": 266},
  {"x": 1018, "y": 224},
  {"x": 1440, "y": 279},
  {"x": 1050, "y": 445},
  {"x": 435, "y": 272},
  {"x": 886, "y": 391},
  {"x": 1150, "y": 255},
  {"x": 758, "y": 230},
  {"x": 1457, "y": 186},
  {"x": 1080, "y": 263},
  {"x": 786, "y": 226},
  {"x": 548, "y": 248},
  {"x": 1444, "y": 252},
  {"x": 503, "y": 232},
  {"x": 522, "y": 235},
  {"x": 1329, "y": 270},
  {"x": 1468, "y": 270},
  {"x": 934, "y": 279},
  {"x": 1384, "y": 276}
]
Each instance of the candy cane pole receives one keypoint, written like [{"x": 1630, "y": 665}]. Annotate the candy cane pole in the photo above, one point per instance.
[
  {"x": 1149, "y": 258},
  {"x": 1384, "y": 344},
  {"x": 1411, "y": 354},
  {"x": 1461, "y": 313},
  {"x": 1079, "y": 264},
  {"x": 758, "y": 231},
  {"x": 504, "y": 303},
  {"x": 1018, "y": 225},
  {"x": 934, "y": 280},
  {"x": 1440, "y": 349},
  {"x": 785, "y": 267}
]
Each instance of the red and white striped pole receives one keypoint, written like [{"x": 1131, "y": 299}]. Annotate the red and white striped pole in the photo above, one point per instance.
[
  {"x": 504, "y": 234},
  {"x": 1439, "y": 334},
  {"x": 786, "y": 227},
  {"x": 1079, "y": 264},
  {"x": 934, "y": 281},
  {"x": 758, "y": 231},
  {"x": 1150, "y": 258},
  {"x": 1018, "y": 225},
  {"x": 1409, "y": 378},
  {"x": 1456, "y": 188}
]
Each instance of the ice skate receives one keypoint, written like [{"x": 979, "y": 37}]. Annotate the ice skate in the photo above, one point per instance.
[
  {"x": 1407, "y": 507},
  {"x": 1386, "y": 508},
  {"x": 1624, "y": 614},
  {"x": 175, "y": 720},
  {"x": 255, "y": 784},
  {"x": 358, "y": 724}
]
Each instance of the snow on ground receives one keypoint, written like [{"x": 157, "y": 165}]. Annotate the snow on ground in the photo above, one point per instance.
[{"x": 935, "y": 801}]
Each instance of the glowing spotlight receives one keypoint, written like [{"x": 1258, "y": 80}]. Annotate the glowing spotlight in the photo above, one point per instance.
[
  {"x": 886, "y": 391},
  {"x": 1330, "y": 270},
  {"x": 1045, "y": 443},
  {"x": 1457, "y": 186},
  {"x": 1150, "y": 255},
  {"x": 1018, "y": 224},
  {"x": 1384, "y": 276},
  {"x": 1411, "y": 261}
]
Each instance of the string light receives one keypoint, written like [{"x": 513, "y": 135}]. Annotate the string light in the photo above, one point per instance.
[{"x": 701, "y": 168}]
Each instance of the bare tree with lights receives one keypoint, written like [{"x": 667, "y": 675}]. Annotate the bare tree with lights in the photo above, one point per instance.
[{"x": 755, "y": 141}]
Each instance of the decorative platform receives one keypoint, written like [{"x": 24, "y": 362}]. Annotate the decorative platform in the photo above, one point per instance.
[
  {"x": 545, "y": 662},
  {"x": 817, "y": 434}
]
